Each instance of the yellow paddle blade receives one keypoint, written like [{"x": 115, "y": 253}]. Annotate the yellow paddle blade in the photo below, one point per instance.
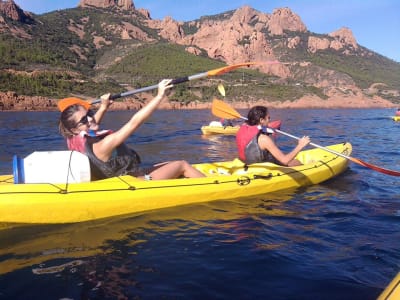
[
  {"x": 221, "y": 89},
  {"x": 222, "y": 110}
]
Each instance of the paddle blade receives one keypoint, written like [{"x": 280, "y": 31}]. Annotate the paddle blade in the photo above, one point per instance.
[
  {"x": 223, "y": 110},
  {"x": 223, "y": 70},
  {"x": 374, "y": 167},
  {"x": 226, "y": 69},
  {"x": 221, "y": 90}
]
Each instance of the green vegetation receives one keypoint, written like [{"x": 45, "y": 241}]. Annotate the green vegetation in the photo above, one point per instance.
[
  {"x": 365, "y": 68},
  {"x": 53, "y": 84},
  {"x": 22, "y": 54},
  {"x": 363, "y": 71},
  {"x": 150, "y": 63},
  {"x": 218, "y": 17}
]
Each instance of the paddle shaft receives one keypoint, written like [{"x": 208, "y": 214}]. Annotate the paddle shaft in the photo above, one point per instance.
[
  {"x": 153, "y": 87},
  {"x": 214, "y": 72}
]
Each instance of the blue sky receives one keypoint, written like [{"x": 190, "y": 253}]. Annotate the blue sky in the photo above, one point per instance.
[{"x": 375, "y": 24}]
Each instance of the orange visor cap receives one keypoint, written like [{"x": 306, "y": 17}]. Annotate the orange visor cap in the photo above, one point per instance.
[{"x": 63, "y": 104}]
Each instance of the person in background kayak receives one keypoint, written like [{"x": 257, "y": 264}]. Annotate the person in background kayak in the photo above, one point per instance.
[
  {"x": 256, "y": 145},
  {"x": 108, "y": 154},
  {"x": 226, "y": 122},
  {"x": 398, "y": 112}
]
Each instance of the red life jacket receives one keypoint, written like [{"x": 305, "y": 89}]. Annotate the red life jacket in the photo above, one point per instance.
[
  {"x": 243, "y": 137},
  {"x": 125, "y": 160}
]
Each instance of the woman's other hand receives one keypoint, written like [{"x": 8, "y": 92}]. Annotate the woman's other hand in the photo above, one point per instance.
[
  {"x": 106, "y": 101},
  {"x": 163, "y": 86},
  {"x": 304, "y": 141}
]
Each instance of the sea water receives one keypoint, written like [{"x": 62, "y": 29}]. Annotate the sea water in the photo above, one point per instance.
[{"x": 336, "y": 240}]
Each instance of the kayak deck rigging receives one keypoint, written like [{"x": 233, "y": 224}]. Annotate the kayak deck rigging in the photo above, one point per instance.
[{"x": 243, "y": 179}]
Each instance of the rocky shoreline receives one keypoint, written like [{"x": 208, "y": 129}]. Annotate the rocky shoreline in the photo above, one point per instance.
[{"x": 10, "y": 101}]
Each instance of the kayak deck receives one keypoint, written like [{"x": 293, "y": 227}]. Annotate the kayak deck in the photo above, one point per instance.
[{"x": 77, "y": 202}]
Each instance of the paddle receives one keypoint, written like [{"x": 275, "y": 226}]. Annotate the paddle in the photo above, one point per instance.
[
  {"x": 213, "y": 72},
  {"x": 224, "y": 110}
]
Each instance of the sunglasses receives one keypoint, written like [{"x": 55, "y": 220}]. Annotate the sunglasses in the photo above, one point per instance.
[{"x": 84, "y": 120}]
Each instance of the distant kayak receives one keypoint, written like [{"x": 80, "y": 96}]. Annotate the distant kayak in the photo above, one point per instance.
[
  {"x": 217, "y": 128},
  {"x": 66, "y": 202},
  {"x": 229, "y": 130},
  {"x": 396, "y": 118}
]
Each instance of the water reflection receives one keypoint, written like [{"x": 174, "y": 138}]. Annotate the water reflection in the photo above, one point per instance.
[{"x": 34, "y": 245}]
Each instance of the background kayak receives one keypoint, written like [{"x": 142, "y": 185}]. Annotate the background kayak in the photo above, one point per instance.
[{"x": 228, "y": 130}]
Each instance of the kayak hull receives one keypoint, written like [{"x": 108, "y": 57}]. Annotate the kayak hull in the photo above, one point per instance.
[
  {"x": 228, "y": 130},
  {"x": 78, "y": 202}
]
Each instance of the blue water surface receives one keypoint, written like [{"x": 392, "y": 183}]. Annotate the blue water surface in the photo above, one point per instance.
[{"x": 336, "y": 240}]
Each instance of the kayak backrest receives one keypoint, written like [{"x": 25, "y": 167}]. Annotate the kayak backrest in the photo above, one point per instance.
[{"x": 215, "y": 124}]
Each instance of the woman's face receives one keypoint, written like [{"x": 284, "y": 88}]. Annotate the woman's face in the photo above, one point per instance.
[
  {"x": 84, "y": 120},
  {"x": 265, "y": 121}
]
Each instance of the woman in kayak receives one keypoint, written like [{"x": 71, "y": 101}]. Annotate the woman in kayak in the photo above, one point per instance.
[
  {"x": 108, "y": 154},
  {"x": 255, "y": 144}
]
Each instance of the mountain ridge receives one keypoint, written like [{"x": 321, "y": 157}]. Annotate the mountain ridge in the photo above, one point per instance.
[{"x": 322, "y": 65}]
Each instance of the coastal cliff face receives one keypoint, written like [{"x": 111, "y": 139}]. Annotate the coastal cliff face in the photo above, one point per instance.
[
  {"x": 13, "y": 11},
  {"x": 124, "y": 4},
  {"x": 239, "y": 36},
  {"x": 244, "y": 34},
  {"x": 10, "y": 101}
]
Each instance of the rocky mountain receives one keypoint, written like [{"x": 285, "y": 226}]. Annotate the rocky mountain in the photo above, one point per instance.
[
  {"x": 123, "y": 4},
  {"x": 9, "y": 11},
  {"x": 106, "y": 41},
  {"x": 14, "y": 12}
]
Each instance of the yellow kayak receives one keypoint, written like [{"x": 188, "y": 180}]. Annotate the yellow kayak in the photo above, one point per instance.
[
  {"x": 217, "y": 128},
  {"x": 78, "y": 202},
  {"x": 396, "y": 118},
  {"x": 228, "y": 130},
  {"x": 392, "y": 291}
]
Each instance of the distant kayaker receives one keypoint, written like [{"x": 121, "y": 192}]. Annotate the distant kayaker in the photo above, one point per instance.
[
  {"x": 108, "y": 154},
  {"x": 226, "y": 122},
  {"x": 398, "y": 112},
  {"x": 255, "y": 144}
]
